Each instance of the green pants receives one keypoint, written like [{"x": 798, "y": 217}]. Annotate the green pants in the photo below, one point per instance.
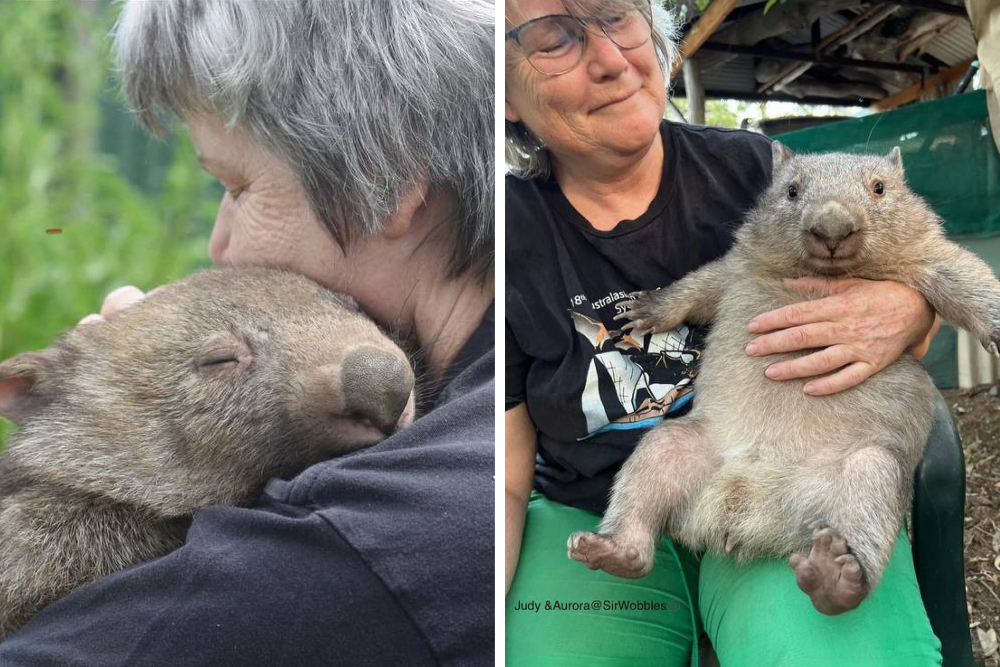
[{"x": 560, "y": 614}]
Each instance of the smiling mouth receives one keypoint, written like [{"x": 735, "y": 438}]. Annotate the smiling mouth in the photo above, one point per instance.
[{"x": 616, "y": 101}]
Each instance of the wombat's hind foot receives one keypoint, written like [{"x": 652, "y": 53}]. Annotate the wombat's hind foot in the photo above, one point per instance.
[
  {"x": 830, "y": 575},
  {"x": 601, "y": 552}
]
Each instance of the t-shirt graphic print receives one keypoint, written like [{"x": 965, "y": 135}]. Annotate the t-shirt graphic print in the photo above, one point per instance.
[{"x": 633, "y": 383}]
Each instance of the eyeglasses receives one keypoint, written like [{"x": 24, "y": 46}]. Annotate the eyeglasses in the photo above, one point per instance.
[{"x": 555, "y": 44}]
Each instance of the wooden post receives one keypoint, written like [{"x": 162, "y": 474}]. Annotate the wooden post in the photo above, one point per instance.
[{"x": 694, "y": 91}]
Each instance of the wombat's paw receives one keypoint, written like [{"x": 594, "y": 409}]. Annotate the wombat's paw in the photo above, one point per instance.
[
  {"x": 646, "y": 313},
  {"x": 830, "y": 575},
  {"x": 601, "y": 552}
]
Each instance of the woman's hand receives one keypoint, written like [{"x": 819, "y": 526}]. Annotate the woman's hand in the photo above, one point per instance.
[
  {"x": 118, "y": 299},
  {"x": 862, "y": 327}
]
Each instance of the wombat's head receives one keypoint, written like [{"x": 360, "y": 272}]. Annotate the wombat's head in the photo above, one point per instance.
[
  {"x": 835, "y": 214},
  {"x": 233, "y": 372}
]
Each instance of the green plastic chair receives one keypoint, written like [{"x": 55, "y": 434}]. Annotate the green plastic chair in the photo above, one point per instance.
[{"x": 938, "y": 547}]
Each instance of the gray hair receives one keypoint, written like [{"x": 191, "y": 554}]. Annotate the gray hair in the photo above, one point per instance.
[
  {"x": 362, "y": 98},
  {"x": 526, "y": 155}
]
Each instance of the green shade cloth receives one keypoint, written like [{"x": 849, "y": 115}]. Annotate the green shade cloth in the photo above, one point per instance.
[{"x": 948, "y": 154}]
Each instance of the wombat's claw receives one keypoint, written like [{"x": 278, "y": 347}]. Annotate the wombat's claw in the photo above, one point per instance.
[
  {"x": 991, "y": 342},
  {"x": 830, "y": 575},
  {"x": 626, "y": 314},
  {"x": 600, "y": 552}
]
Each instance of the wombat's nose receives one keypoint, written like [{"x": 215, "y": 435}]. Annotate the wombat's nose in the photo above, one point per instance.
[
  {"x": 832, "y": 231},
  {"x": 376, "y": 385},
  {"x": 831, "y": 224}
]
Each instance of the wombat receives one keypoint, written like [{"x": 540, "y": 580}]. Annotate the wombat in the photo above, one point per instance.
[
  {"x": 758, "y": 467},
  {"x": 194, "y": 396}
]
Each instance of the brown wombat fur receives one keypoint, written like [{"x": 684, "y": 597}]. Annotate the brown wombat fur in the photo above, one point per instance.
[
  {"x": 756, "y": 461},
  {"x": 194, "y": 396}
]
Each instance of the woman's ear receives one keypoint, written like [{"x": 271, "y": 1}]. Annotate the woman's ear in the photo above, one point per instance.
[
  {"x": 509, "y": 113},
  {"x": 410, "y": 204}
]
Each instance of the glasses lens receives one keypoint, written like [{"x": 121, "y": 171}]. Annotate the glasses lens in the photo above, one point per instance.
[
  {"x": 628, "y": 30},
  {"x": 553, "y": 45}
]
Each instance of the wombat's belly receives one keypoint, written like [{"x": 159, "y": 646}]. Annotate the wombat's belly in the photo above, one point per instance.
[{"x": 780, "y": 449}]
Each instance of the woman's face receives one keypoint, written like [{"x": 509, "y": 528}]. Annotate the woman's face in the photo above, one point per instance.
[
  {"x": 610, "y": 103},
  {"x": 265, "y": 219}
]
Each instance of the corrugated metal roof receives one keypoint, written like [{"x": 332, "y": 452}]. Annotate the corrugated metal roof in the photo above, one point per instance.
[
  {"x": 736, "y": 75},
  {"x": 953, "y": 46}
]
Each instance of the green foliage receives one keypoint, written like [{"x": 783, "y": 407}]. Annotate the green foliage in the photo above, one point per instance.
[
  {"x": 57, "y": 102},
  {"x": 721, "y": 113},
  {"x": 772, "y": 3}
]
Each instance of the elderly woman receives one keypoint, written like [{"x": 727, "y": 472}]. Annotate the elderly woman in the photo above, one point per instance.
[
  {"x": 354, "y": 140},
  {"x": 606, "y": 198}
]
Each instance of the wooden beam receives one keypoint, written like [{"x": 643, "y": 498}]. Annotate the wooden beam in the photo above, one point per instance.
[
  {"x": 930, "y": 6},
  {"x": 853, "y": 29},
  {"x": 806, "y": 57},
  {"x": 912, "y": 93},
  {"x": 751, "y": 96},
  {"x": 710, "y": 19}
]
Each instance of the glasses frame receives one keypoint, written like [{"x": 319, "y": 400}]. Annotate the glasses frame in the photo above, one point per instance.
[{"x": 514, "y": 34}]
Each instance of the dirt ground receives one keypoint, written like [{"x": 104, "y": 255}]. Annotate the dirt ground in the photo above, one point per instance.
[{"x": 977, "y": 414}]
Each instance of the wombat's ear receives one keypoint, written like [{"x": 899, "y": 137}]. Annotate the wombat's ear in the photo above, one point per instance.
[
  {"x": 779, "y": 155},
  {"x": 27, "y": 384},
  {"x": 895, "y": 158}
]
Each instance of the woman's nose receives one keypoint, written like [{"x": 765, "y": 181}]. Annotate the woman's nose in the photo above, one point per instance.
[{"x": 603, "y": 57}]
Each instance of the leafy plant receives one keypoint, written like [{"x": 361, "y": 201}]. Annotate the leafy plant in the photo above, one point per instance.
[
  {"x": 772, "y": 3},
  {"x": 129, "y": 211}
]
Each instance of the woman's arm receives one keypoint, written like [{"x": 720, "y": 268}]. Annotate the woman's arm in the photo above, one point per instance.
[
  {"x": 862, "y": 327},
  {"x": 520, "y": 443}
]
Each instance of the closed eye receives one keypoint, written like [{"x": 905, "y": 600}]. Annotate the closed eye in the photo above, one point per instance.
[{"x": 217, "y": 362}]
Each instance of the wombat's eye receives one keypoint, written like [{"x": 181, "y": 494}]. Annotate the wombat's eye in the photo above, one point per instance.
[
  {"x": 224, "y": 351},
  {"x": 878, "y": 188},
  {"x": 217, "y": 362},
  {"x": 793, "y": 191}
]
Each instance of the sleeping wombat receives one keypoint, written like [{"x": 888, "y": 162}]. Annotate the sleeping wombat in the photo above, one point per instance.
[
  {"x": 759, "y": 467},
  {"x": 194, "y": 396}
]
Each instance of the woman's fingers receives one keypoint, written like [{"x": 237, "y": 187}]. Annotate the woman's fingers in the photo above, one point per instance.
[
  {"x": 93, "y": 317},
  {"x": 805, "y": 312},
  {"x": 850, "y": 376},
  {"x": 117, "y": 300},
  {"x": 817, "y": 363},
  {"x": 803, "y": 337},
  {"x": 121, "y": 298}
]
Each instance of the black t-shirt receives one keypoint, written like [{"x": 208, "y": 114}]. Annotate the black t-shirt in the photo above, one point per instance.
[
  {"x": 590, "y": 390},
  {"x": 380, "y": 557}
]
